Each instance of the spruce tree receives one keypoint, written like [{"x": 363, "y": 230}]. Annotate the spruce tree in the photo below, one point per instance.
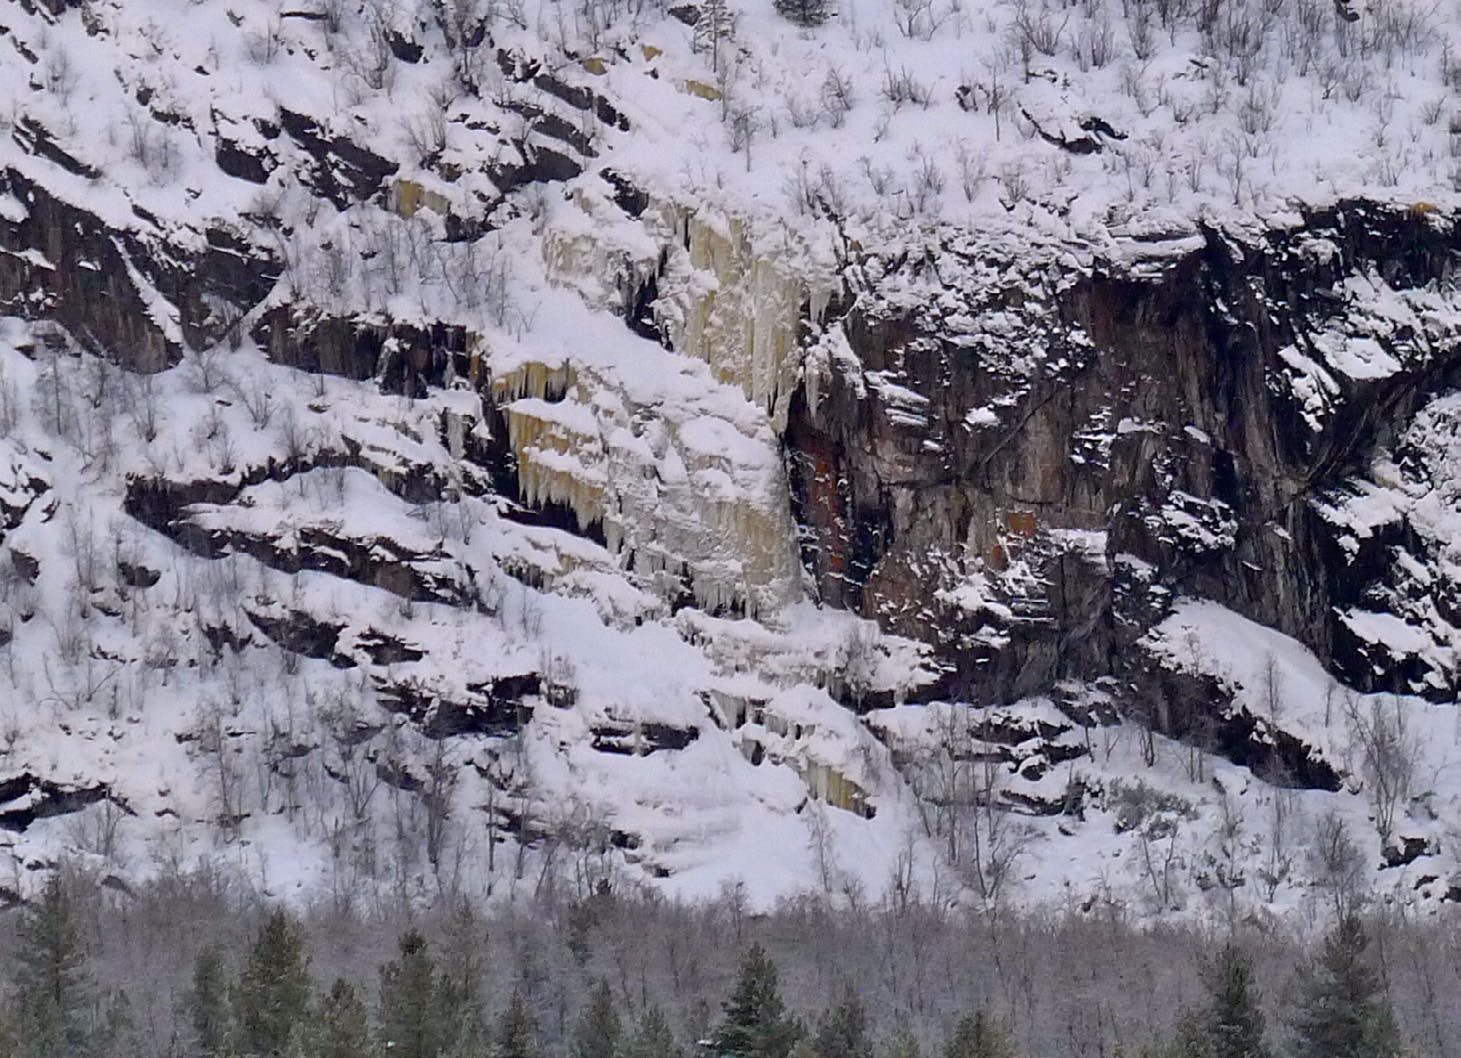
[
  {"x": 117, "y": 1036},
  {"x": 517, "y": 1030},
  {"x": 598, "y": 1031},
  {"x": 806, "y": 13},
  {"x": 651, "y": 1037},
  {"x": 978, "y": 1035},
  {"x": 756, "y": 1024},
  {"x": 271, "y": 1002},
  {"x": 411, "y": 1021},
  {"x": 51, "y": 986},
  {"x": 470, "y": 1039},
  {"x": 901, "y": 1044},
  {"x": 1231, "y": 1023},
  {"x": 1344, "y": 1012},
  {"x": 842, "y": 1030},
  {"x": 459, "y": 983},
  {"x": 206, "y": 1004},
  {"x": 713, "y": 28},
  {"x": 343, "y": 1027},
  {"x": 9, "y": 1046}
]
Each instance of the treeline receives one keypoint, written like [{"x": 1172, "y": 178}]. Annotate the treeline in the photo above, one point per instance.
[{"x": 192, "y": 968}]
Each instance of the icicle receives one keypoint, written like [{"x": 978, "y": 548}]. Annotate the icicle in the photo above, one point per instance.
[
  {"x": 829, "y": 785},
  {"x": 536, "y": 380},
  {"x": 733, "y": 545},
  {"x": 740, "y": 314},
  {"x": 544, "y": 480}
]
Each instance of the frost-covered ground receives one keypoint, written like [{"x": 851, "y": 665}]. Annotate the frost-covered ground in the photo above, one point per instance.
[{"x": 336, "y": 656}]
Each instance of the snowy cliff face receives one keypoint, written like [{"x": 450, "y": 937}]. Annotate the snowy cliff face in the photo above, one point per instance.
[
  {"x": 1063, "y": 460},
  {"x": 1009, "y": 454}
]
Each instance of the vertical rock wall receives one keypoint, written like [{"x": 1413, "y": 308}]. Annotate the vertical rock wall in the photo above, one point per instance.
[{"x": 1023, "y": 473}]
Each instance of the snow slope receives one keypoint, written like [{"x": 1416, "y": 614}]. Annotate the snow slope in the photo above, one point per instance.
[{"x": 267, "y": 608}]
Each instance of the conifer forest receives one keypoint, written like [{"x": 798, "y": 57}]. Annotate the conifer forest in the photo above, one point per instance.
[{"x": 194, "y": 966}]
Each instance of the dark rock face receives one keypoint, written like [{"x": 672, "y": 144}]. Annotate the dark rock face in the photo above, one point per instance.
[
  {"x": 135, "y": 575},
  {"x": 25, "y": 798},
  {"x": 1402, "y": 556},
  {"x": 106, "y": 286},
  {"x": 1027, "y": 464},
  {"x": 641, "y": 739},
  {"x": 403, "y": 357},
  {"x": 494, "y": 709},
  {"x": 239, "y": 162},
  {"x": 1406, "y": 851},
  {"x": 341, "y": 171},
  {"x": 524, "y": 69},
  {"x": 180, "y": 509},
  {"x": 300, "y": 633}
]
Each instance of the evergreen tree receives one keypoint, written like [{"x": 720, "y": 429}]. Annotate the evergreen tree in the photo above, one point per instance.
[
  {"x": 517, "y": 1030},
  {"x": 901, "y": 1044},
  {"x": 1231, "y": 1024},
  {"x": 1169, "y": 1048},
  {"x": 206, "y": 1004},
  {"x": 756, "y": 1024},
  {"x": 117, "y": 1036},
  {"x": 598, "y": 1032},
  {"x": 978, "y": 1035},
  {"x": 411, "y": 1021},
  {"x": 651, "y": 1037},
  {"x": 472, "y": 1039},
  {"x": 271, "y": 1001},
  {"x": 51, "y": 985},
  {"x": 805, "y": 12},
  {"x": 469, "y": 1038},
  {"x": 1344, "y": 1012},
  {"x": 459, "y": 982},
  {"x": 842, "y": 1030},
  {"x": 343, "y": 1027},
  {"x": 713, "y": 28}
]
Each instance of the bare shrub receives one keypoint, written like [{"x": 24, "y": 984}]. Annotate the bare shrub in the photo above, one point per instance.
[
  {"x": 1014, "y": 184},
  {"x": 1038, "y": 31},
  {"x": 1156, "y": 818},
  {"x": 959, "y": 803},
  {"x": 973, "y": 171},
  {"x": 1096, "y": 44},
  {"x": 1390, "y": 755},
  {"x": 1336, "y": 864},
  {"x": 918, "y": 19},
  {"x": 837, "y": 95},
  {"x": 901, "y": 88}
]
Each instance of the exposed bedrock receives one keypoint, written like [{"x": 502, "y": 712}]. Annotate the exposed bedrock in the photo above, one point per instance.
[
  {"x": 137, "y": 295},
  {"x": 1023, "y": 466}
]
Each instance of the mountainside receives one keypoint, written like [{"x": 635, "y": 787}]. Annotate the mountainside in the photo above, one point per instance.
[{"x": 468, "y": 445}]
